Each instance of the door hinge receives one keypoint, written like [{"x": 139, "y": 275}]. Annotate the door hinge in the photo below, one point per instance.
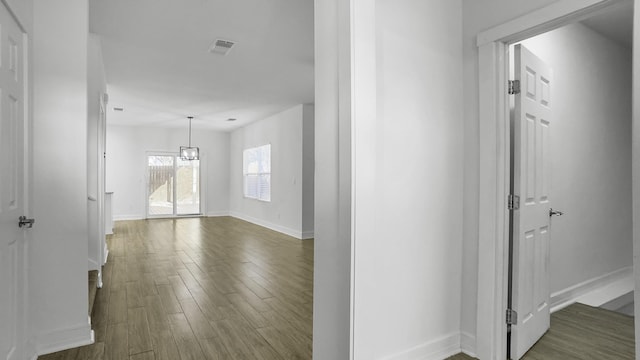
[
  {"x": 512, "y": 317},
  {"x": 513, "y": 203},
  {"x": 514, "y": 87}
]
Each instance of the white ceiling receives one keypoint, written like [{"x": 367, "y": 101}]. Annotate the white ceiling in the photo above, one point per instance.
[
  {"x": 159, "y": 69},
  {"x": 615, "y": 23}
]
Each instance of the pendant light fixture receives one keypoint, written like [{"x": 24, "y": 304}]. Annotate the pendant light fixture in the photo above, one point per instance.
[{"x": 189, "y": 152}]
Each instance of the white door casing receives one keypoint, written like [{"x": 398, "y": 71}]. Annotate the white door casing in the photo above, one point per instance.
[
  {"x": 102, "y": 178},
  {"x": 12, "y": 187},
  {"x": 532, "y": 121}
]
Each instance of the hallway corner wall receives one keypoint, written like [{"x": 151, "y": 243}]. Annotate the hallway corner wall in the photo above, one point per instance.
[{"x": 58, "y": 251}]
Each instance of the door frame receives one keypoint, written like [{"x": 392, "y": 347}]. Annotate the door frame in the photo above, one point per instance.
[{"x": 494, "y": 145}]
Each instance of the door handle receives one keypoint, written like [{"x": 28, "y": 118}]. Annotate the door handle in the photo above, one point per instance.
[
  {"x": 23, "y": 222},
  {"x": 555, "y": 213}
]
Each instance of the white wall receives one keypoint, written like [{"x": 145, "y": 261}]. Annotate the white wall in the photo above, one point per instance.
[
  {"x": 408, "y": 274},
  {"x": 284, "y": 131},
  {"x": 58, "y": 251},
  {"x": 126, "y": 166},
  {"x": 591, "y": 154}
]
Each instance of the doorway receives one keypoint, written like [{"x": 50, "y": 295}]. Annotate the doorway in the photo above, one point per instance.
[
  {"x": 584, "y": 165},
  {"x": 173, "y": 186},
  {"x": 495, "y": 143}
]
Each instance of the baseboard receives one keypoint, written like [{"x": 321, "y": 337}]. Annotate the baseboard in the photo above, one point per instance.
[
  {"x": 106, "y": 253},
  {"x": 432, "y": 350},
  {"x": 217, "y": 213},
  {"x": 269, "y": 225},
  {"x": 63, "y": 339},
  {"x": 468, "y": 344},
  {"x": 570, "y": 295},
  {"x": 128, "y": 217},
  {"x": 306, "y": 235}
]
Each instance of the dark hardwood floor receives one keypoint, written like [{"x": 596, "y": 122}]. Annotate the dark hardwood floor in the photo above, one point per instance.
[
  {"x": 201, "y": 288},
  {"x": 580, "y": 332}
]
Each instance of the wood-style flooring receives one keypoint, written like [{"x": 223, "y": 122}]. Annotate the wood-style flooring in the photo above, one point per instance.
[
  {"x": 581, "y": 332},
  {"x": 204, "y": 289}
]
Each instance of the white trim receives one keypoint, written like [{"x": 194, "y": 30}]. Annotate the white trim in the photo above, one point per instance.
[
  {"x": 494, "y": 162},
  {"x": 468, "y": 344},
  {"x": 491, "y": 332},
  {"x": 635, "y": 179},
  {"x": 62, "y": 339},
  {"x": 217, "y": 213},
  {"x": 572, "y": 294},
  {"x": 269, "y": 225},
  {"x": 545, "y": 19},
  {"x": 128, "y": 217},
  {"x": 306, "y": 235},
  {"x": 106, "y": 252},
  {"x": 437, "y": 349}
]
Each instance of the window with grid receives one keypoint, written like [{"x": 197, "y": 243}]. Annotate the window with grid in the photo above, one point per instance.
[{"x": 257, "y": 172}]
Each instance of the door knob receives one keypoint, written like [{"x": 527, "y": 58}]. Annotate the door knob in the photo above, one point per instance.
[
  {"x": 23, "y": 222},
  {"x": 555, "y": 212}
]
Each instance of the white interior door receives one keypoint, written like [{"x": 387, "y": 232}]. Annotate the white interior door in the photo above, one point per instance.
[
  {"x": 12, "y": 180},
  {"x": 530, "y": 276}
]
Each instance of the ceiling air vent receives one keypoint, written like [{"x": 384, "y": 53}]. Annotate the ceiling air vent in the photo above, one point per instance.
[{"x": 221, "y": 47}]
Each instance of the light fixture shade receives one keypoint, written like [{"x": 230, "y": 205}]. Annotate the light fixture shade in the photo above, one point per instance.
[{"x": 189, "y": 153}]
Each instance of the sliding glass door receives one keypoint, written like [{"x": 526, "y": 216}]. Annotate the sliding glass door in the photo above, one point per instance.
[
  {"x": 187, "y": 187},
  {"x": 173, "y": 186}
]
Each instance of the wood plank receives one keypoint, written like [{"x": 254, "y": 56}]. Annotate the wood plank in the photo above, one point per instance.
[
  {"x": 117, "y": 307},
  {"x": 91, "y": 352},
  {"x": 214, "y": 349},
  {"x": 134, "y": 296},
  {"x": 169, "y": 301},
  {"x": 179, "y": 289},
  {"x": 234, "y": 344},
  {"x": 149, "y": 355},
  {"x": 118, "y": 342},
  {"x": 139, "y": 334},
  {"x": 198, "y": 321},
  {"x": 164, "y": 345},
  {"x": 252, "y": 315},
  {"x": 187, "y": 343}
]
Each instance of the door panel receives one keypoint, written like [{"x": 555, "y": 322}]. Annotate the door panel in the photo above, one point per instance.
[
  {"x": 530, "y": 272},
  {"x": 12, "y": 180},
  {"x": 160, "y": 185},
  {"x": 187, "y": 187}
]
